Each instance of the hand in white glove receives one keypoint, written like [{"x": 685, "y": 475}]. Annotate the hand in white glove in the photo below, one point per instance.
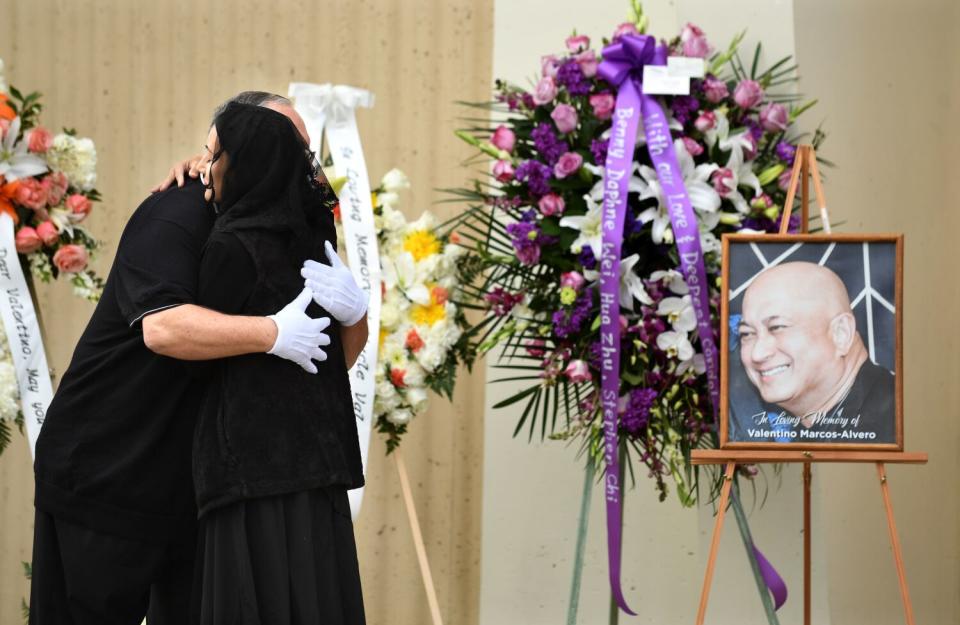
[
  {"x": 299, "y": 338},
  {"x": 334, "y": 288}
]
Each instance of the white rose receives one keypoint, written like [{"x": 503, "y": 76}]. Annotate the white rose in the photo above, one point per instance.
[
  {"x": 399, "y": 417},
  {"x": 393, "y": 180},
  {"x": 414, "y": 376},
  {"x": 418, "y": 399},
  {"x": 430, "y": 356},
  {"x": 76, "y": 158}
]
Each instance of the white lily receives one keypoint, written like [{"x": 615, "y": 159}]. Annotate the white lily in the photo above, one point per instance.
[
  {"x": 743, "y": 176},
  {"x": 401, "y": 271},
  {"x": 674, "y": 280},
  {"x": 698, "y": 364},
  {"x": 720, "y": 134},
  {"x": 679, "y": 312},
  {"x": 675, "y": 344},
  {"x": 590, "y": 227},
  {"x": 15, "y": 161},
  {"x": 703, "y": 197},
  {"x": 631, "y": 285}
]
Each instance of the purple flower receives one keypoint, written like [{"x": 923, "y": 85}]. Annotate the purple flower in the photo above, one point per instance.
[
  {"x": 786, "y": 152},
  {"x": 570, "y": 75},
  {"x": 598, "y": 147},
  {"x": 547, "y": 144},
  {"x": 586, "y": 258},
  {"x": 714, "y": 90},
  {"x": 526, "y": 238},
  {"x": 536, "y": 175},
  {"x": 502, "y": 302},
  {"x": 683, "y": 107},
  {"x": 567, "y": 322},
  {"x": 637, "y": 411},
  {"x": 754, "y": 127},
  {"x": 748, "y": 94}
]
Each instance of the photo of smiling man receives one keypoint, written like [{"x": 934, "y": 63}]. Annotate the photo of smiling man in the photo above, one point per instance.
[{"x": 811, "y": 343}]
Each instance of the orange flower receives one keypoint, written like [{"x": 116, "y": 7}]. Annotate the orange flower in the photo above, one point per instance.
[
  {"x": 6, "y": 111},
  {"x": 8, "y": 191}
]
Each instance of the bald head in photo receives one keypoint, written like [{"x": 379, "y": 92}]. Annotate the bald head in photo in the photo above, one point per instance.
[{"x": 799, "y": 343}]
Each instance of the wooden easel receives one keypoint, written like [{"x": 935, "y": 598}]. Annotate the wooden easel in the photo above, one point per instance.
[{"x": 805, "y": 166}]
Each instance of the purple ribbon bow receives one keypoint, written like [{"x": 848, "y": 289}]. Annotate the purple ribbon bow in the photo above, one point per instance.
[{"x": 622, "y": 66}]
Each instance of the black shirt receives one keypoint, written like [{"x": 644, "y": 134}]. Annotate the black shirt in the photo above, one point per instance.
[
  {"x": 267, "y": 427},
  {"x": 114, "y": 450},
  {"x": 866, "y": 414}
]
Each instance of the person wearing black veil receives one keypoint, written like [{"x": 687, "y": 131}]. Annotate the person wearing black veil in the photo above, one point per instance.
[{"x": 276, "y": 447}]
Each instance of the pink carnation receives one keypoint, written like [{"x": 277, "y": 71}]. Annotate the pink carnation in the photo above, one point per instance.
[
  {"x": 546, "y": 91},
  {"x": 603, "y": 105},
  {"x": 551, "y": 204},
  {"x": 627, "y": 28},
  {"x": 568, "y": 164},
  {"x": 503, "y": 171},
  {"x": 40, "y": 140},
  {"x": 576, "y": 43},
  {"x": 503, "y": 138},
  {"x": 565, "y": 117}
]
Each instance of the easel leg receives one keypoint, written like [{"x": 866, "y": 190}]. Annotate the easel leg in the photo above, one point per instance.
[
  {"x": 418, "y": 540},
  {"x": 715, "y": 543},
  {"x": 895, "y": 543},
  {"x": 807, "y": 476}
]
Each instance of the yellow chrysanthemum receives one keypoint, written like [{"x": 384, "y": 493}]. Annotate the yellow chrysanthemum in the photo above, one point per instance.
[
  {"x": 421, "y": 244},
  {"x": 384, "y": 333},
  {"x": 429, "y": 314}
]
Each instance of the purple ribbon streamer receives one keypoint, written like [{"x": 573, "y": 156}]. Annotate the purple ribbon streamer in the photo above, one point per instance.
[
  {"x": 778, "y": 587},
  {"x": 622, "y": 66}
]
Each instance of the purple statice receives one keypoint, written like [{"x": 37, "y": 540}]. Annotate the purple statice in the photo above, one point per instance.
[
  {"x": 598, "y": 147},
  {"x": 637, "y": 411},
  {"x": 547, "y": 144},
  {"x": 594, "y": 353},
  {"x": 571, "y": 76},
  {"x": 786, "y": 152},
  {"x": 754, "y": 127},
  {"x": 536, "y": 175},
  {"x": 566, "y": 322},
  {"x": 526, "y": 238},
  {"x": 631, "y": 225},
  {"x": 502, "y": 301},
  {"x": 586, "y": 258},
  {"x": 684, "y": 107},
  {"x": 765, "y": 224}
]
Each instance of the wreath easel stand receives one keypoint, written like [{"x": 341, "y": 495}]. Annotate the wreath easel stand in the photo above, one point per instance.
[{"x": 805, "y": 166}]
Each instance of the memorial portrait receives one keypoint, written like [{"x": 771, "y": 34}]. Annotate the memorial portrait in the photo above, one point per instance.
[{"x": 811, "y": 341}]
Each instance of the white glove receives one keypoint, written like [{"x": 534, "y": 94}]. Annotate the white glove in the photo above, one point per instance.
[
  {"x": 299, "y": 338},
  {"x": 334, "y": 288}
]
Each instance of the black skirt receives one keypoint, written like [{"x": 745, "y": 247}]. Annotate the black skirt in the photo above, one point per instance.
[{"x": 283, "y": 560}]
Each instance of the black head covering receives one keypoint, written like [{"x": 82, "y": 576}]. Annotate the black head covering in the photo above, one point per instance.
[{"x": 269, "y": 183}]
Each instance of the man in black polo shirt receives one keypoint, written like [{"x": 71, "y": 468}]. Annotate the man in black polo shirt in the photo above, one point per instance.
[{"x": 115, "y": 513}]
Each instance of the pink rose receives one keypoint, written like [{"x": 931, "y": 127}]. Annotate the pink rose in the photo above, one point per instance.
[
  {"x": 694, "y": 42},
  {"x": 572, "y": 279},
  {"x": 603, "y": 105},
  {"x": 577, "y": 371},
  {"x": 31, "y": 194},
  {"x": 27, "y": 240},
  {"x": 568, "y": 164},
  {"x": 627, "y": 28},
  {"x": 694, "y": 148},
  {"x": 706, "y": 121},
  {"x": 774, "y": 117},
  {"x": 588, "y": 62},
  {"x": 549, "y": 65},
  {"x": 576, "y": 43},
  {"x": 55, "y": 185},
  {"x": 40, "y": 140},
  {"x": 722, "y": 180},
  {"x": 71, "y": 258},
  {"x": 565, "y": 117},
  {"x": 748, "y": 94},
  {"x": 551, "y": 204},
  {"x": 714, "y": 90},
  {"x": 48, "y": 233},
  {"x": 546, "y": 91},
  {"x": 503, "y": 171},
  {"x": 79, "y": 206},
  {"x": 503, "y": 138}
]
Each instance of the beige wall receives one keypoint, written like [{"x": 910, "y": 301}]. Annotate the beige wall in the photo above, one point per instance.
[{"x": 141, "y": 79}]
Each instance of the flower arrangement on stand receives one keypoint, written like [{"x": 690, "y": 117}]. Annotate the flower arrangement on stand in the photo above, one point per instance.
[
  {"x": 422, "y": 338},
  {"x": 47, "y": 186}
]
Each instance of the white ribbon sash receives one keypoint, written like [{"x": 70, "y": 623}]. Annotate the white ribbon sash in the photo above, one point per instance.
[
  {"x": 332, "y": 109},
  {"x": 23, "y": 335}
]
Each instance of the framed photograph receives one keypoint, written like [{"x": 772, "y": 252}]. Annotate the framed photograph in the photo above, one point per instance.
[{"x": 811, "y": 342}]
